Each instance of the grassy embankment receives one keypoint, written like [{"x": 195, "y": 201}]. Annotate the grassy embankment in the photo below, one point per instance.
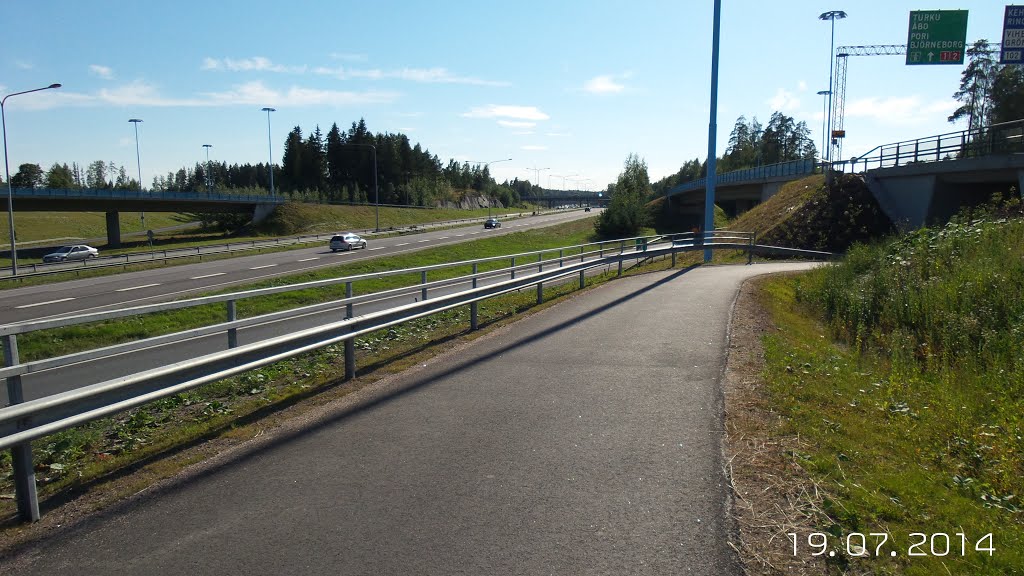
[
  {"x": 232, "y": 409},
  {"x": 901, "y": 371},
  {"x": 289, "y": 219}
]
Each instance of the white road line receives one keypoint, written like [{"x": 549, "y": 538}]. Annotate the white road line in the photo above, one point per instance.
[
  {"x": 422, "y": 241},
  {"x": 44, "y": 303},
  {"x": 402, "y": 244},
  {"x": 264, "y": 266},
  {"x": 379, "y": 248},
  {"x": 308, "y": 259},
  {"x": 136, "y": 287},
  {"x": 207, "y": 275},
  {"x": 441, "y": 238},
  {"x": 459, "y": 235}
]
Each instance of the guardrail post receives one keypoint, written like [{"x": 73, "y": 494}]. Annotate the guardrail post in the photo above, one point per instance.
[
  {"x": 622, "y": 249},
  {"x": 540, "y": 292},
  {"x": 561, "y": 253},
  {"x": 21, "y": 454},
  {"x": 423, "y": 280},
  {"x": 750, "y": 249},
  {"x": 540, "y": 262},
  {"x": 473, "y": 322},
  {"x": 513, "y": 267},
  {"x": 350, "y": 344},
  {"x": 232, "y": 332},
  {"x": 673, "y": 254},
  {"x": 583, "y": 280}
]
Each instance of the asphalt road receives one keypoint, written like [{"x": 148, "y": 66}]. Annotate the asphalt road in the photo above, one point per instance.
[
  {"x": 172, "y": 282},
  {"x": 585, "y": 439}
]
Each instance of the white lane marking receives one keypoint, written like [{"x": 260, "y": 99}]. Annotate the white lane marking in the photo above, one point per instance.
[
  {"x": 459, "y": 235},
  {"x": 402, "y": 244},
  {"x": 264, "y": 266},
  {"x": 307, "y": 259},
  {"x": 44, "y": 303},
  {"x": 441, "y": 238},
  {"x": 379, "y": 247},
  {"x": 207, "y": 275},
  {"x": 136, "y": 287},
  {"x": 422, "y": 241},
  {"x": 474, "y": 232}
]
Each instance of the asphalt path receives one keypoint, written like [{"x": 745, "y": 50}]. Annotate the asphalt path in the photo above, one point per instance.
[
  {"x": 172, "y": 282},
  {"x": 585, "y": 439}
]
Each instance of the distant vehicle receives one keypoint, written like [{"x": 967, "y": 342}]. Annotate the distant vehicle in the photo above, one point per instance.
[
  {"x": 66, "y": 253},
  {"x": 492, "y": 223},
  {"x": 587, "y": 209},
  {"x": 347, "y": 241}
]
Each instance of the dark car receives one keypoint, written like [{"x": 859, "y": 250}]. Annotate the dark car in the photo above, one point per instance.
[
  {"x": 587, "y": 209},
  {"x": 492, "y": 223}
]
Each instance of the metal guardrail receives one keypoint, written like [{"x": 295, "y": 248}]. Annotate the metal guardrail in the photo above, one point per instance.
[
  {"x": 23, "y": 421},
  {"x": 148, "y": 256},
  {"x": 1005, "y": 138},
  {"x": 792, "y": 168}
]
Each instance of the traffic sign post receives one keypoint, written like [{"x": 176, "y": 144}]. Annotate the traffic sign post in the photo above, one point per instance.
[
  {"x": 1012, "y": 51},
  {"x": 937, "y": 37}
]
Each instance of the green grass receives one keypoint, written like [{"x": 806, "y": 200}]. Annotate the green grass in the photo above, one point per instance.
[
  {"x": 35, "y": 226},
  {"x": 901, "y": 367}
]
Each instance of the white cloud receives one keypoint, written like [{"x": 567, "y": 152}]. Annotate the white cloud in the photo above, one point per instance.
[
  {"x": 533, "y": 147},
  {"x": 802, "y": 86},
  {"x": 603, "y": 85},
  {"x": 784, "y": 101},
  {"x": 505, "y": 111},
  {"x": 516, "y": 124},
  {"x": 899, "y": 110},
  {"x": 422, "y": 75},
  {"x": 102, "y": 71},
  {"x": 255, "y": 93},
  {"x": 349, "y": 57},
  {"x": 255, "y": 64}
]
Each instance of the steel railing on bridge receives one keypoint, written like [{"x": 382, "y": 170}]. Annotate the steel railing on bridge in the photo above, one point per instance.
[
  {"x": 1005, "y": 138},
  {"x": 25, "y": 420},
  {"x": 803, "y": 167}
]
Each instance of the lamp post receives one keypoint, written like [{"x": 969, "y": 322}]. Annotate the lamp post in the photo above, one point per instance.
[
  {"x": 824, "y": 119},
  {"x": 7, "y": 171},
  {"x": 209, "y": 177},
  {"x": 376, "y": 197},
  {"x": 270, "y": 151},
  {"x": 832, "y": 15},
  {"x": 138, "y": 163},
  {"x": 486, "y": 164}
]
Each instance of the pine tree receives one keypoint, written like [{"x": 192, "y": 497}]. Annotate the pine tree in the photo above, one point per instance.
[{"x": 975, "y": 86}]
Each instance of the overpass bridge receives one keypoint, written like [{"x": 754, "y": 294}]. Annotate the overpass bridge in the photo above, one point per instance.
[
  {"x": 112, "y": 202},
  {"x": 552, "y": 200},
  {"x": 916, "y": 182}
]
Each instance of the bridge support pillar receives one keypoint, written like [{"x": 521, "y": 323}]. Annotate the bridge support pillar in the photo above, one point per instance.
[
  {"x": 262, "y": 211},
  {"x": 905, "y": 200},
  {"x": 1020, "y": 184},
  {"x": 113, "y": 230}
]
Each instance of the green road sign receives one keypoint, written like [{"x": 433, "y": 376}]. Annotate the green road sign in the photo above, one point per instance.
[{"x": 937, "y": 37}]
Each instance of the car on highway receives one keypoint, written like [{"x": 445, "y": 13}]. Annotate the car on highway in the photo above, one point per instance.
[
  {"x": 66, "y": 253},
  {"x": 587, "y": 209},
  {"x": 347, "y": 241},
  {"x": 492, "y": 223}
]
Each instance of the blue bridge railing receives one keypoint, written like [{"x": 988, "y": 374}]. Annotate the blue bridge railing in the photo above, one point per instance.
[{"x": 803, "y": 167}]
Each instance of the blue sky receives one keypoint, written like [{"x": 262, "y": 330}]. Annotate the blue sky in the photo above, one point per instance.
[{"x": 572, "y": 86}]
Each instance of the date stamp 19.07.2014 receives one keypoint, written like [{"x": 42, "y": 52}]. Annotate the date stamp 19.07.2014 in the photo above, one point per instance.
[{"x": 881, "y": 544}]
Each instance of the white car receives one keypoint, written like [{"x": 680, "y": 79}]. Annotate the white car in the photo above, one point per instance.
[
  {"x": 347, "y": 241},
  {"x": 66, "y": 253}
]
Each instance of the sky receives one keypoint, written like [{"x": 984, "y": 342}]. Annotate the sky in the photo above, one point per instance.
[{"x": 565, "y": 88}]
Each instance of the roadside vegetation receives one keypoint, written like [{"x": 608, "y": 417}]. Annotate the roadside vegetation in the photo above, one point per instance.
[
  {"x": 121, "y": 455},
  {"x": 900, "y": 371}
]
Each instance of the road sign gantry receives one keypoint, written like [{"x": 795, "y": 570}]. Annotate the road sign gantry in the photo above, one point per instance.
[{"x": 937, "y": 37}]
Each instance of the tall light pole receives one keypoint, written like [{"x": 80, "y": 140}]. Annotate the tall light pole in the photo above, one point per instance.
[
  {"x": 832, "y": 15},
  {"x": 270, "y": 150},
  {"x": 824, "y": 119},
  {"x": 376, "y": 197},
  {"x": 209, "y": 177},
  {"x": 709, "y": 185},
  {"x": 10, "y": 192},
  {"x": 486, "y": 164},
  {"x": 138, "y": 163}
]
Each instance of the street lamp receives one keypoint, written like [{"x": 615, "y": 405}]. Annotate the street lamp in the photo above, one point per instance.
[
  {"x": 486, "y": 164},
  {"x": 7, "y": 171},
  {"x": 832, "y": 15},
  {"x": 270, "y": 150},
  {"x": 209, "y": 178},
  {"x": 824, "y": 118},
  {"x": 138, "y": 163},
  {"x": 376, "y": 197}
]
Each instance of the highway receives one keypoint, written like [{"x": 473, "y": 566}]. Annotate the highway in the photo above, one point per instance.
[
  {"x": 172, "y": 282},
  {"x": 585, "y": 439}
]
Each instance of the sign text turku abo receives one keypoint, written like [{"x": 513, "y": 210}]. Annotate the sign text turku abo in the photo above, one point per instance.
[{"x": 937, "y": 37}]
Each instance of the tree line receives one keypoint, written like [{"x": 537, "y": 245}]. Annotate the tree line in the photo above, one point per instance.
[
  {"x": 990, "y": 93},
  {"x": 334, "y": 168}
]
